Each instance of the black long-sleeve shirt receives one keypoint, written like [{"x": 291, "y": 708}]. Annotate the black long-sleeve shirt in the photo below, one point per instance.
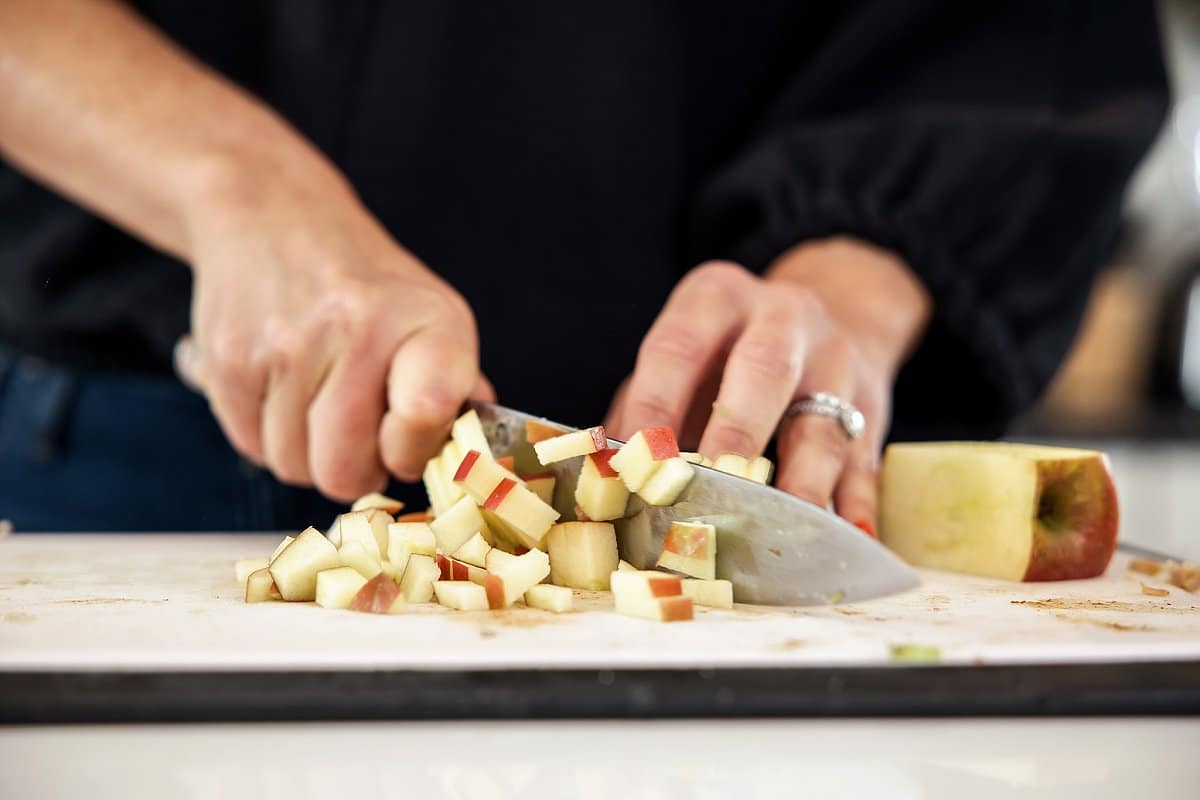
[{"x": 563, "y": 164}]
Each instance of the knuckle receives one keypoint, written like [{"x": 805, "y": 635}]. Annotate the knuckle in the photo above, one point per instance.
[
  {"x": 718, "y": 276},
  {"x": 672, "y": 343},
  {"x": 802, "y": 300},
  {"x": 649, "y": 409},
  {"x": 771, "y": 356},
  {"x": 827, "y": 438},
  {"x": 734, "y": 437}
]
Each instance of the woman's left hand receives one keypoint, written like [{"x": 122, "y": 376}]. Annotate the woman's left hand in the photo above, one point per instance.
[{"x": 732, "y": 351}]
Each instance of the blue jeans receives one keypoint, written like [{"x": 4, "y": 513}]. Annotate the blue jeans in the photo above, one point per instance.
[{"x": 85, "y": 450}]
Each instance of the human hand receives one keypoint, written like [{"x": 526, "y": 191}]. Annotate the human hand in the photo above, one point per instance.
[
  {"x": 731, "y": 352},
  {"x": 329, "y": 354}
]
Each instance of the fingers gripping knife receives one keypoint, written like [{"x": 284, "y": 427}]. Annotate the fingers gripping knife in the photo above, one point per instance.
[{"x": 775, "y": 548}]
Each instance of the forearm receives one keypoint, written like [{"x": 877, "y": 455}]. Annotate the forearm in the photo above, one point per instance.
[
  {"x": 106, "y": 110},
  {"x": 870, "y": 291}
]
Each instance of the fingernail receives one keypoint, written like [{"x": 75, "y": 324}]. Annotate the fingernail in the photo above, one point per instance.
[{"x": 866, "y": 527}]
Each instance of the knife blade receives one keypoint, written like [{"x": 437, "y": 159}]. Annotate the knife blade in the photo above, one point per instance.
[{"x": 775, "y": 548}]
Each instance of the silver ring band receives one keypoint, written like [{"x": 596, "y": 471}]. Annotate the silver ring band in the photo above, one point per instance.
[{"x": 830, "y": 405}]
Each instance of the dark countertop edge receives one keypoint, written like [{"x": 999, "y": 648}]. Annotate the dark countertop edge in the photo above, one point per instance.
[{"x": 1142, "y": 688}]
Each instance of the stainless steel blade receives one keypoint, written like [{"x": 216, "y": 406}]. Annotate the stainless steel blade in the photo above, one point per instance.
[{"x": 775, "y": 548}]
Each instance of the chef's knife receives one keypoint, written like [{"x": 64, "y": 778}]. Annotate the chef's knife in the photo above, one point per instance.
[{"x": 775, "y": 548}]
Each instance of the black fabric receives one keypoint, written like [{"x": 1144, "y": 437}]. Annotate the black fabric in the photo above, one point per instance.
[{"x": 563, "y": 164}]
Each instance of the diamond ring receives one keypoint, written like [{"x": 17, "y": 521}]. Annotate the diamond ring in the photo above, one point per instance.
[{"x": 830, "y": 405}]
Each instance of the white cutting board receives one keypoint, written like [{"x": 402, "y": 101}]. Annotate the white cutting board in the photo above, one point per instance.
[{"x": 170, "y": 602}]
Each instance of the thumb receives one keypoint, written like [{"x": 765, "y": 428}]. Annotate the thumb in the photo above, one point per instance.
[{"x": 186, "y": 358}]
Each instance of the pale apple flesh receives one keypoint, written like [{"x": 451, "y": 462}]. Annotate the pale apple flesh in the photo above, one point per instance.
[
  {"x": 474, "y": 551},
  {"x": 458, "y": 524},
  {"x": 582, "y": 554},
  {"x": 295, "y": 569},
  {"x": 668, "y": 482},
  {"x": 645, "y": 584},
  {"x": 543, "y": 486},
  {"x": 600, "y": 493},
  {"x": 468, "y": 434},
  {"x": 336, "y": 588},
  {"x": 1010, "y": 511},
  {"x": 260, "y": 587},
  {"x": 461, "y": 595},
  {"x": 690, "y": 548},
  {"x": 522, "y": 511},
  {"x": 416, "y": 584},
  {"x": 379, "y": 501},
  {"x": 509, "y": 583},
  {"x": 364, "y": 562},
  {"x": 547, "y": 597},
  {"x": 656, "y": 609},
  {"x": 570, "y": 445},
  {"x": 640, "y": 457},
  {"x": 714, "y": 594}
]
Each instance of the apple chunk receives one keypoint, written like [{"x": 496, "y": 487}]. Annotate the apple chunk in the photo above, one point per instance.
[
  {"x": 523, "y": 512},
  {"x": 409, "y": 538},
  {"x": 295, "y": 569},
  {"x": 582, "y": 554},
  {"x": 468, "y": 434},
  {"x": 379, "y": 501},
  {"x": 537, "y": 431},
  {"x": 337, "y": 587},
  {"x": 759, "y": 470},
  {"x": 569, "y": 445},
  {"x": 656, "y": 609},
  {"x": 645, "y": 584},
  {"x": 715, "y": 594},
  {"x": 417, "y": 582},
  {"x": 380, "y": 595},
  {"x": 355, "y": 556},
  {"x": 732, "y": 464},
  {"x": 549, "y": 598},
  {"x": 474, "y": 551},
  {"x": 668, "y": 482},
  {"x": 600, "y": 492},
  {"x": 356, "y": 527},
  {"x": 543, "y": 486},
  {"x": 260, "y": 587},
  {"x": 479, "y": 475},
  {"x": 279, "y": 548},
  {"x": 639, "y": 458},
  {"x": 1012, "y": 511},
  {"x": 509, "y": 583},
  {"x": 244, "y": 567},
  {"x": 453, "y": 570},
  {"x": 461, "y": 595},
  {"x": 458, "y": 524},
  {"x": 690, "y": 548}
]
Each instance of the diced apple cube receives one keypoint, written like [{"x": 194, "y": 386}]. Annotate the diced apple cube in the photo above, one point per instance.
[
  {"x": 243, "y": 567},
  {"x": 260, "y": 587},
  {"x": 416, "y": 516},
  {"x": 732, "y": 464},
  {"x": 625, "y": 566},
  {"x": 667, "y": 482},
  {"x": 409, "y": 538},
  {"x": 640, "y": 457},
  {"x": 435, "y": 486},
  {"x": 417, "y": 582},
  {"x": 657, "y": 609},
  {"x": 474, "y": 551},
  {"x": 458, "y": 524},
  {"x": 690, "y": 548},
  {"x": 523, "y": 512},
  {"x": 391, "y": 570},
  {"x": 451, "y": 456},
  {"x": 355, "y": 556},
  {"x": 715, "y": 594},
  {"x": 509, "y": 584},
  {"x": 468, "y": 434},
  {"x": 280, "y": 548},
  {"x": 497, "y": 559},
  {"x": 760, "y": 470},
  {"x": 645, "y": 583},
  {"x": 549, "y": 598},
  {"x": 377, "y": 500},
  {"x": 295, "y": 569},
  {"x": 336, "y": 587},
  {"x": 692, "y": 458},
  {"x": 569, "y": 445},
  {"x": 356, "y": 528},
  {"x": 543, "y": 486},
  {"x": 600, "y": 492},
  {"x": 582, "y": 554},
  {"x": 450, "y": 569},
  {"x": 380, "y": 595},
  {"x": 461, "y": 595}
]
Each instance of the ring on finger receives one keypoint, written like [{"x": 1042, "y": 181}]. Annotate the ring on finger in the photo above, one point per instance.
[{"x": 827, "y": 404}]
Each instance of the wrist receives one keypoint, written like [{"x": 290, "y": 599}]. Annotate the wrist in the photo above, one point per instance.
[{"x": 871, "y": 292}]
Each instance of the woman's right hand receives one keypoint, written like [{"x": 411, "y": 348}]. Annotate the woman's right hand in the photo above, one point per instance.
[{"x": 329, "y": 354}]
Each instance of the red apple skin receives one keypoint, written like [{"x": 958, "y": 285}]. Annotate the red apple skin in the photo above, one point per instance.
[
  {"x": 520, "y": 550},
  {"x": 464, "y": 468},
  {"x": 376, "y": 596},
  {"x": 689, "y": 542},
  {"x": 661, "y": 442},
  {"x": 600, "y": 460},
  {"x": 499, "y": 493},
  {"x": 539, "y": 432},
  {"x": 666, "y": 586},
  {"x": 507, "y": 462},
  {"x": 676, "y": 609},
  {"x": 1075, "y": 530},
  {"x": 538, "y": 477},
  {"x": 415, "y": 516},
  {"x": 495, "y": 592},
  {"x": 444, "y": 565},
  {"x": 599, "y": 437}
]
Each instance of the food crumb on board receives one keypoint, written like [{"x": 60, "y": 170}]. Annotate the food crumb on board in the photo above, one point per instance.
[
  {"x": 1154, "y": 591},
  {"x": 914, "y": 653},
  {"x": 1145, "y": 566},
  {"x": 1186, "y": 576}
]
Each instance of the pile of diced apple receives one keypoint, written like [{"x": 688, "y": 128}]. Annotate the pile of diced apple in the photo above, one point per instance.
[{"x": 492, "y": 538}]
